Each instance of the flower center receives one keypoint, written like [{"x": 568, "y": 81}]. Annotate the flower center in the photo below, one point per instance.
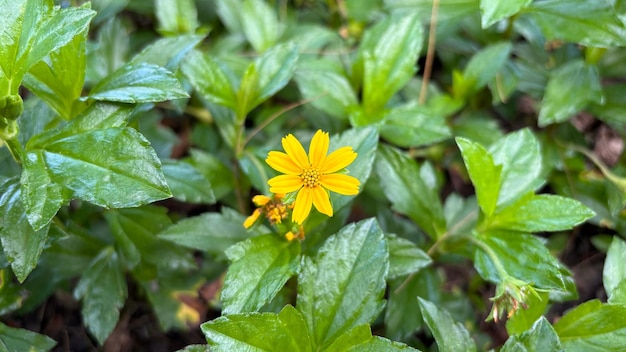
[{"x": 311, "y": 177}]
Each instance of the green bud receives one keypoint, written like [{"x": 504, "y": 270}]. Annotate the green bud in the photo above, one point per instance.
[{"x": 13, "y": 107}]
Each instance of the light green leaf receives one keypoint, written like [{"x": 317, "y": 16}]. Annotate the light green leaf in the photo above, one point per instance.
[
  {"x": 107, "y": 9},
  {"x": 211, "y": 232},
  {"x": 113, "y": 167},
  {"x": 208, "y": 78},
  {"x": 103, "y": 291},
  {"x": 523, "y": 319},
  {"x": 590, "y": 23},
  {"x": 259, "y": 24},
  {"x": 571, "y": 88},
  {"x": 405, "y": 257},
  {"x": 176, "y": 16},
  {"x": 482, "y": 68},
  {"x": 168, "y": 52},
  {"x": 352, "y": 338},
  {"x": 485, "y": 174},
  {"x": 256, "y": 332},
  {"x": 342, "y": 287},
  {"x": 407, "y": 192},
  {"x": 21, "y": 244},
  {"x": 138, "y": 83},
  {"x": 493, "y": 11},
  {"x": 259, "y": 269},
  {"x": 414, "y": 126},
  {"x": 593, "y": 326},
  {"x": 377, "y": 343},
  {"x": 331, "y": 91},
  {"x": 450, "y": 335},
  {"x": 187, "y": 183},
  {"x": 538, "y": 213},
  {"x": 540, "y": 337},
  {"x": 614, "y": 271},
  {"x": 14, "y": 340}
]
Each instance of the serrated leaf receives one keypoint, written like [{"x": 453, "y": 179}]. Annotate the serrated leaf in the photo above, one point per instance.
[
  {"x": 113, "y": 167},
  {"x": 187, "y": 183},
  {"x": 414, "y": 127},
  {"x": 405, "y": 257},
  {"x": 103, "y": 291},
  {"x": 259, "y": 24},
  {"x": 342, "y": 287},
  {"x": 259, "y": 269},
  {"x": 176, "y": 16},
  {"x": 538, "y": 213},
  {"x": 485, "y": 174},
  {"x": 614, "y": 271},
  {"x": 570, "y": 88},
  {"x": 208, "y": 78},
  {"x": 407, "y": 192},
  {"x": 523, "y": 257},
  {"x": 41, "y": 197},
  {"x": 255, "y": 332},
  {"x": 569, "y": 20},
  {"x": 12, "y": 339},
  {"x": 540, "y": 337},
  {"x": 593, "y": 326},
  {"x": 450, "y": 335},
  {"x": 21, "y": 244},
  {"x": 494, "y": 10},
  {"x": 211, "y": 232},
  {"x": 138, "y": 83}
]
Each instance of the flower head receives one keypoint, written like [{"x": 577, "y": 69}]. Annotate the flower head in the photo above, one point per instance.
[
  {"x": 273, "y": 208},
  {"x": 312, "y": 175}
]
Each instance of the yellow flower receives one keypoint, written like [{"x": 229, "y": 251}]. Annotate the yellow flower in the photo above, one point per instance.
[
  {"x": 274, "y": 209},
  {"x": 313, "y": 175}
]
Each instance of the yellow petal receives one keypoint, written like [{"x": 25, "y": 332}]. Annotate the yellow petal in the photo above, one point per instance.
[
  {"x": 260, "y": 200},
  {"x": 281, "y": 162},
  {"x": 337, "y": 160},
  {"x": 250, "y": 220},
  {"x": 295, "y": 151},
  {"x": 321, "y": 201},
  {"x": 342, "y": 184},
  {"x": 284, "y": 183},
  {"x": 318, "y": 148},
  {"x": 302, "y": 206}
]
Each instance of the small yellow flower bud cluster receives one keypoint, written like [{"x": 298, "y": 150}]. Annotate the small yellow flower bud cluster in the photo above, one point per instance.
[{"x": 273, "y": 208}]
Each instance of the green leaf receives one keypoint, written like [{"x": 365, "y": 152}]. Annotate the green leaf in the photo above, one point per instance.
[
  {"x": 414, "y": 126},
  {"x": 176, "y": 16},
  {"x": 342, "y": 287},
  {"x": 112, "y": 168},
  {"x": 405, "y": 257},
  {"x": 12, "y": 339},
  {"x": 21, "y": 244},
  {"x": 536, "y": 265},
  {"x": 168, "y": 52},
  {"x": 450, "y": 335},
  {"x": 387, "y": 58},
  {"x": 352, "y": 338},
  {"x": 448, "y": 10},
  {"x": 523, "y": 319},
  {"x": 218, "y": 174},
  {"x": 138, "y": 83},
  {"x": 259, "y": 24},
  {"x": 211, "y": 232},
  {"x": 540, "y": 337},
  {"x": 590, "y": 23},
  {"x": 107, "y": 9},
  {"x": 257, "y": 332},
  {"x": 259, "y": 269},
  {"x": 571, "y": 88},
  {"x": 493, "y": 11},
  {"x": 482, "y": 68},
  {"x": 614, "y": 272},
  {"x": 187, "y": 183},
  {"x": 209, "y": 79},
  {"x": 485, "y": 174},
  {"x": 103, "y": 291},
  {"x": 377, "y": 343},
  {"x": 330, "y": 91},
  {"x": 41, "y": 197},
  {"x": 109, "y": 52},
  {"x": 593, "y": 326},
  {"x": 538, "y": 213}
]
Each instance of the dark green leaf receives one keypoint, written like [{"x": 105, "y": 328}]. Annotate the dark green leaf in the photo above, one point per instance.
[
  {"x": 219, "y": 175},
  {"x": 614, "y": 271},
  {"x": 208, "y": 78},
  {"x": 138, "y": 83},
  {"x": 448, "y": 10},
  {"x": 103, "y": 291},
  {"x": 590, "y": 23},
  {"x": 494, "y": 10},
  {"x": 342, "y": 287},
  {"x": 259, "y": 269},
  {"x": 255, "y": 168},
  {"x": 593, "y": 326},
  {"x": 537, "y": 213},
  {"x": 113, "y": 168},
  {"x": 540, "y": 337},
  {"x": 21, "y": 244},
  {"x": 107, "y": 9},
  {"x": 405, "y": 257},
  {"x": 482, "y": 68},
  {"x": 176, "y": 16},
  {"x": 450, "y": 335},
  {"x": 14, "y": 340},
  {"x": 414, "y": 127},
  {"x": 109, "y": 52},
  {"x": 259, "y": 24},
  {"x": 187, "y": 183},
  {"x": 485, "y": 174},
  {"x": 571, "y": 88}
]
